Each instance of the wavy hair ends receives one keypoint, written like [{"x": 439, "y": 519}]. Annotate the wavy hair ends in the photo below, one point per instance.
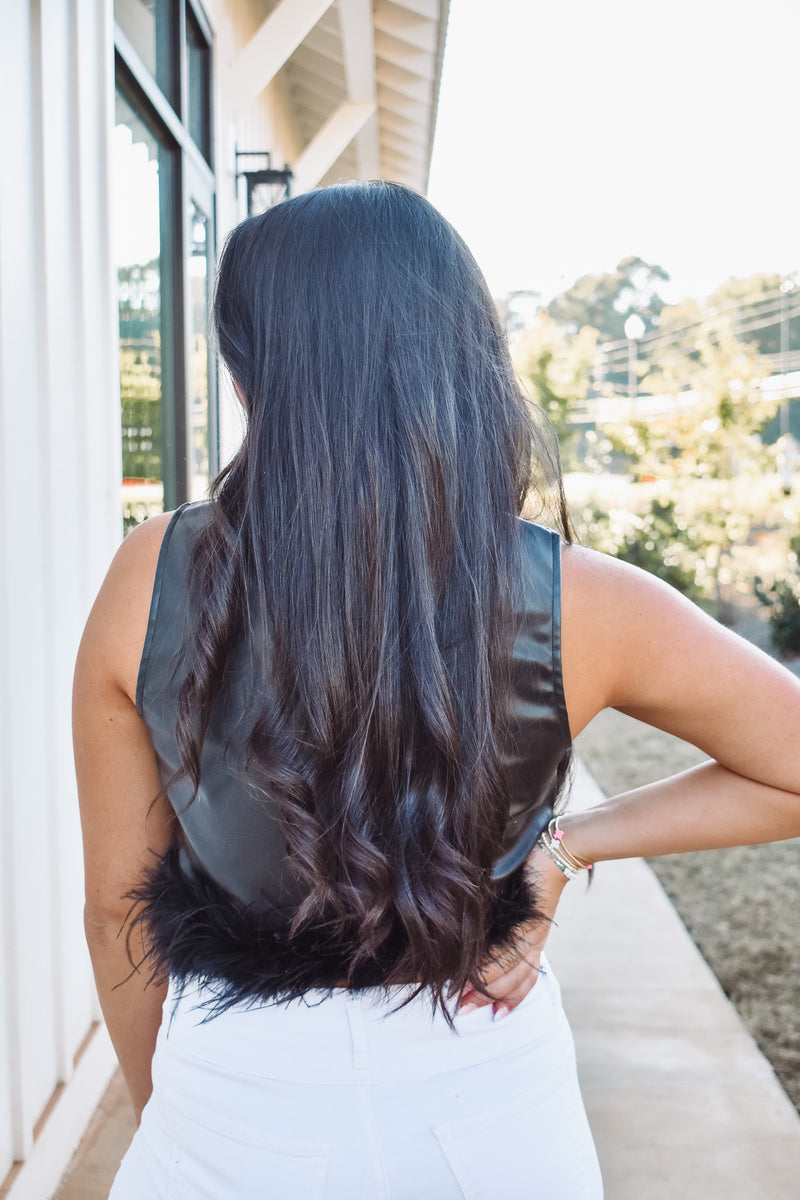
[{"x": 363, "y": 536}]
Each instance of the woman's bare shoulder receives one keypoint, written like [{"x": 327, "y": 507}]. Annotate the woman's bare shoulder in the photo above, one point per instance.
[
  {"x": 627, "y": 636},
  {"x": 113, "y": 640},
  {"x": 594, "y": 598},
  {"x": 133, "y": 567},
  {"x": 632, "y": 642},
  {"x": 137, "y": 555},
  {"x": 595, "y": 583},
  {"x": 615, "y": 613}
]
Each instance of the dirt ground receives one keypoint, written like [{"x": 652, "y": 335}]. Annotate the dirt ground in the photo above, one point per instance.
[{"x": 739, "y": 905}]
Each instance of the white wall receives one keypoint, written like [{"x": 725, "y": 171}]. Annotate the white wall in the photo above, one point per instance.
[
  {"x": 60, "y": 521},
  {"x": 266, "y": 125},
  {"x": 59, "y": 524}
]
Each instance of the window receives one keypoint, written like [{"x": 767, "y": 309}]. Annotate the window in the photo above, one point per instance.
[
  {"x": 143, "y": 173},
  {"x": 200, "y": 422},
  {"x": 150, "y": 27},
  {"x": 163, "y": 200},
  {"x": 198, "y": 69}
]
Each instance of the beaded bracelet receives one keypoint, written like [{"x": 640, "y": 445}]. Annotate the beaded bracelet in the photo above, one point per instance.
[
  {"x": 557, "y": 834},
  {"x": 551, "y": 843}
]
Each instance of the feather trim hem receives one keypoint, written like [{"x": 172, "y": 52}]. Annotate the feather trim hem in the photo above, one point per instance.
[{"x": 198, "y": 931}]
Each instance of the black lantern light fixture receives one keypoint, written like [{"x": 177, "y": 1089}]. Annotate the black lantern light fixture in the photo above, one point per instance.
[{"x": 276, "y": 179}]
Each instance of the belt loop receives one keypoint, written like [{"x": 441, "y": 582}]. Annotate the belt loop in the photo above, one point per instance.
[{"x": 358, "y": 1035}]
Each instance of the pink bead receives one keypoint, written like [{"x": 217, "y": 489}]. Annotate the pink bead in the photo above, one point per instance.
[{"x": 558, "y": 834}]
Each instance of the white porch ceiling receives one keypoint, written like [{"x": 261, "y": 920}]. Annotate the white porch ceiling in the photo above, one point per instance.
[{"x": 361, "y": 82}]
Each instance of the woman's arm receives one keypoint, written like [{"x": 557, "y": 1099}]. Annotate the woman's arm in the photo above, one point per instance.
[
  {"x": 117, "y": 782},
  {"x": 632, "y": 643}
]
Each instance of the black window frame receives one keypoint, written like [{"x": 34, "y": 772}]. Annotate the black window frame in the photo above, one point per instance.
[
  {"x": 190, "y": 178},
  {"x": 193, "y": 16}
]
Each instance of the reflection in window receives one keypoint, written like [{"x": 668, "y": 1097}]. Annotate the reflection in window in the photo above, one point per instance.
[
  {"x": 199, "y": 433},
  {"x": 198, "y": 67},
  {"x": 164, "y": 252},
  {"x": 149, "y": 25},
  {"x": 137, "y": 253}
]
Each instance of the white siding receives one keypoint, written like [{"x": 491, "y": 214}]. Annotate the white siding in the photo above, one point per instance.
[
  {"x": 59, "y": 420},
  {"x": 61, "y": 519},
  {"x": 60, "y": 522},
  {"x": 266, "y": 125}
]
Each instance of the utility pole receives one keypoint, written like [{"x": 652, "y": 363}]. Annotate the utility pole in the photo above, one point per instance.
[
  {"x": 634, "y": 328},
  {"x": 786, "y": 287}
]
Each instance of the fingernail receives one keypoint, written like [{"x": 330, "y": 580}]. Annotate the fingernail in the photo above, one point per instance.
[
  {"x": 501, "y": 1011},
  {"x": 469, "y": 1007}
]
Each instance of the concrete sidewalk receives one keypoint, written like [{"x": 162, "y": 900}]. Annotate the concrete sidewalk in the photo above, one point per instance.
[{"x": 681, "y": 1101}]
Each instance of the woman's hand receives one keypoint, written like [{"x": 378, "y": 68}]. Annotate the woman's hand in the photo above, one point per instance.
[{"x": 508, "y": 977}]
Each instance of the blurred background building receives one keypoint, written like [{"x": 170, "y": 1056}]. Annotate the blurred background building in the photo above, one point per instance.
[{"x": 137, "y": 132}]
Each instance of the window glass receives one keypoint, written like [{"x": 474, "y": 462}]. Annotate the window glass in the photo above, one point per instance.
[
  {"x": 137, "y": 165},
  {"x": 198, "y": 67},
  {"x": 199, "y": 429},
  {"x": 163, "y": 204},
  {"x": 149, "y": 25}
]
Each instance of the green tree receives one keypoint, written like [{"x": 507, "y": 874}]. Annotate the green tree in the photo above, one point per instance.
[
  {"x": 605, "y": 301},
  {"x": 754, "y": 305},
  {"x": 705, "y": 446},
  {"x": 716, "y": 410},
  {"x": 140, "y": 392},
  {"x": 559, "y": 368}
]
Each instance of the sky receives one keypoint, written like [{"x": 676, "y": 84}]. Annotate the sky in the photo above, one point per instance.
[{"x": 572, "y": 133}]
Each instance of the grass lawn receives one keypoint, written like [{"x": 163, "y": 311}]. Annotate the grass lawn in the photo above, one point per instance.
[{"x": 740, "y": 905}]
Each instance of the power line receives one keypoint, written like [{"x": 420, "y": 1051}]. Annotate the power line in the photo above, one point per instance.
[
  {"x": 774, "y": 296},
  {"x": 746, "y": 325}
]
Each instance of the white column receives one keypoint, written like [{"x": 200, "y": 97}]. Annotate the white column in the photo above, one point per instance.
[
  {"x": 328, "y": 143},
  {"x": 27, "y": 976},
  {"x": 355, "y": 19},
  {"x": 61, "y": 520},
  {"x": 270, "y": 47}
]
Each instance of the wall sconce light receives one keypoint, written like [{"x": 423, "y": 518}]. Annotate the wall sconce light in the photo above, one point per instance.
[{"x": 277, "y": 179}]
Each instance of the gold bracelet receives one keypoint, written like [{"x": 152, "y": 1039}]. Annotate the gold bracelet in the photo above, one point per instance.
[
  {"x": 557, "y": 836},
  {"x": 551, "y": 850}
]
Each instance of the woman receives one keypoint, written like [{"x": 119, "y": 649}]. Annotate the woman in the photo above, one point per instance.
[{"x": 322, "y": 723}]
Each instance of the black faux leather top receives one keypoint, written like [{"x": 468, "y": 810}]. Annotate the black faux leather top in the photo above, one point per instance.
[{"x": 232, "y": 843}]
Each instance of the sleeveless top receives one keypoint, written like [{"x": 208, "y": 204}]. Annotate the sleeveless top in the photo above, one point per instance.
[{"x": 217, "y": 905}]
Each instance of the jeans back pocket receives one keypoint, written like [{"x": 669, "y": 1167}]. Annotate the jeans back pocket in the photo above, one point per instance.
[
  {"x": 213, "y": 1157},
  {"x": 535, "y": 1147}
]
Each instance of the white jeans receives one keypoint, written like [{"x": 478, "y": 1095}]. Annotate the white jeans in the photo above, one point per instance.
[{"x": 341, "y": 1098}]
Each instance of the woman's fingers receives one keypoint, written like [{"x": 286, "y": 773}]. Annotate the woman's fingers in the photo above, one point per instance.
[
  {"x": 516, "y": 986},
  {"x": 505, "y": 984},
  {"x": 509, "y": 976}
]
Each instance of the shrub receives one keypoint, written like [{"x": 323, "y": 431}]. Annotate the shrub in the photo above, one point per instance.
[
  {"x": 782, "y": 598},
  {"x": 655, "y": 540}
]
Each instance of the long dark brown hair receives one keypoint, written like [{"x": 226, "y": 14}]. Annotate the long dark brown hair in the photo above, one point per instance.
[{"x": 363, "y": 542}]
